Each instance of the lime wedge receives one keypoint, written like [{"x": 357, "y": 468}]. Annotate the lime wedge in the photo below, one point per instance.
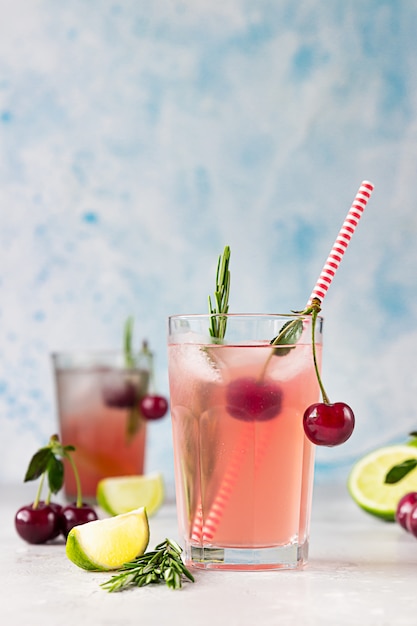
[
  {"x": 124, "y": 493},
  {"x": 107, "y": 544},
  {"x": 366, "y": 480}
]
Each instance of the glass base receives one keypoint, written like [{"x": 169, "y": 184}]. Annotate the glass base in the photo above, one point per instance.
[{"x": 292, "y": 556}]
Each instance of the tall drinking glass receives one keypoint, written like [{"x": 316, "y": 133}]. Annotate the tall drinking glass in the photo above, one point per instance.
[
  {"x": 243, "y": 466},
  {"x": 97, "y": 400}
]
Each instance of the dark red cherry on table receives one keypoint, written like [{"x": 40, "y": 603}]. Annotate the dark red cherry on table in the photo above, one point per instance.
[
  {"x": 328, "y": 424},
  {"x": 153, "y": 407},
  {"x": 250, "y": 399},
  {"x": 73, "y": 515},
  {"x": 37, "y": 525},
  {"x": 404, "y": 506}
]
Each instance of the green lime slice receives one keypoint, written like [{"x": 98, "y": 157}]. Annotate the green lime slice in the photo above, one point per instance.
[
  {"x": 107, "y": 544},
  {"x": 121, "y": 494},
  {"x": 366, "y": 480}
]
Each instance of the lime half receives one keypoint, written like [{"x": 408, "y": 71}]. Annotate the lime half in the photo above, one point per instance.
[
  {"x": 121, "y": 494},
  {"x": 366, "y": 480},
  {"x": 108, "y": 543}
]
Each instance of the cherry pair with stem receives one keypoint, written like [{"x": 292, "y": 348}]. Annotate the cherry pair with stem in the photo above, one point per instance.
[
  {"x": 324, "y": 423},
  {"x": 43, "y": 520}
]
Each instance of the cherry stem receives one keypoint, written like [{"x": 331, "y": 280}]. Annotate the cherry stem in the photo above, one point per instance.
[
  {"x": 274, "y": 343},
  {"x": 39, "y": 492},
  {"x": 314, "y": 313},
  {"x": 79, "y": 502}
]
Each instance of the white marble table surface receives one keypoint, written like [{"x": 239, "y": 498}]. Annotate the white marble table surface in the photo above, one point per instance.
[{"x": 362, "y": 572}]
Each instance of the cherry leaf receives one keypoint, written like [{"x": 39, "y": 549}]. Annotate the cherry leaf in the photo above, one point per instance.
[
  {"x": 55, "y": 474},
  {"x": 38, "y": 464},
  {"x": 289, "y": 334}
]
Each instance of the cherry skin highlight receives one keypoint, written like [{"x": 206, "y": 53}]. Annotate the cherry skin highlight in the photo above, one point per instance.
[
  {"x": 37, "y": 525},
  {"x": 328, "y": 424},
  {"x": 249, "y": 399},
  {"x": 73, "y": 515},
  {"x": 411, "y": 520},
  {"x": 153, "y": 407},
  {"x": 404, "y": 507}
]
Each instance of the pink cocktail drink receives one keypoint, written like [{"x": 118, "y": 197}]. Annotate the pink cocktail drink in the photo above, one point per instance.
[
  {"x": 244, "y": 468},
  {"x": 97, "y": 402}
]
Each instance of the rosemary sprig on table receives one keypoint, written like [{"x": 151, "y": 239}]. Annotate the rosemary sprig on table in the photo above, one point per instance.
[
  {"x": 221, "y": 295},
  {"x": 162, "y": 565}
]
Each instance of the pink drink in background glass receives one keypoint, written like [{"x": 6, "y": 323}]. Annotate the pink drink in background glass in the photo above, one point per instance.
[
  {"x": 90, "y": 392},
  {"x": 243, "y": 474}
]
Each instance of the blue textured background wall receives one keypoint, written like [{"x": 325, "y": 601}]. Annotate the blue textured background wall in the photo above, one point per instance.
[{"x": 138, "y": 138}]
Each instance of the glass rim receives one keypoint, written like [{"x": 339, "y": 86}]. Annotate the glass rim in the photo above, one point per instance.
[
  {"x": 295, "y": 315},
  {"x": 77, "y": 354},
  {"x": 80, "y": 351},
  {"x": 92, "y": 359}
]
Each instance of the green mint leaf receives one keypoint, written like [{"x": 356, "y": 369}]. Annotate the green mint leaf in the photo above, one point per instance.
[
  {"x": 398, "y": 472},
  {"x": 289, "y": 334},
  {"x": 38, "y": 464},
  {"x": 55, "y": 471}
]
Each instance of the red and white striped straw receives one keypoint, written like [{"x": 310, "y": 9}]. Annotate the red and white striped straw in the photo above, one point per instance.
[
  {"x": 204, "y": 529},
  {"x": 342, "y": 241}
]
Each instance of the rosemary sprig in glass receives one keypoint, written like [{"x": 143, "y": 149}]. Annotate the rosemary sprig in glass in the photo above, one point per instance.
[
  {"x": 127, "y": 343},
  {"x": 162, "y": 565},
  {"x": 218, "y": 311},
  {"x": 133, "y": 361}
]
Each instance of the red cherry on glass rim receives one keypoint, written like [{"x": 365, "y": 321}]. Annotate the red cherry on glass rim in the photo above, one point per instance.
[
  {"x": 250, "y": 399},
  {"x": 404, "y": 507},
  {"x": 37, "y": 525},
  {"x": 328, "y": 424},
  {"x": 153, "y": 407},
  {"x": 73, "y": 515}
]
